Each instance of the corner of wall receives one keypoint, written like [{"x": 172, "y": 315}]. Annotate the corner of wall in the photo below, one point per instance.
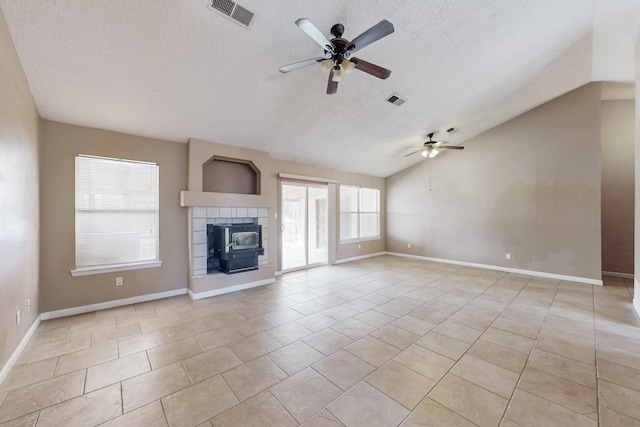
[
  {"x": 636, "y": 284},
  {"x": 19, "y": 237},
  {"x": 636, "y": 295}
]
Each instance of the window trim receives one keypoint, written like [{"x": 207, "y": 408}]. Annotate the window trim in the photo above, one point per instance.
[
  {"x": 86, "y": 271},
  {"x": 359, "y": 239},
  {"x": 111, "y": 268}
]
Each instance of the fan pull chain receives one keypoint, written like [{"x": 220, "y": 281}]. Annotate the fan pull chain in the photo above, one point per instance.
[{"x": 429, "y": 176}]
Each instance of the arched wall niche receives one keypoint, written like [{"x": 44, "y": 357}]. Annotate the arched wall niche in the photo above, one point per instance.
[{"x": 229, "y": 175}]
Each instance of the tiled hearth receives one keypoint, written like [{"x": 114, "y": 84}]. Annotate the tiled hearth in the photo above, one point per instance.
[{"x": 201, "y": 216}]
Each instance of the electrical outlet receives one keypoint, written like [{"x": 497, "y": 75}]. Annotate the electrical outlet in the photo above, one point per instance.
[
  {"x": 409, "y": 245},
  {"x": 509, "y": 256},
  {"x": 359, "y": 246},
  {"x": 118, "y": 281},
  {"x": 28, "y": 304},
  {"x": 17, "y": 317}
]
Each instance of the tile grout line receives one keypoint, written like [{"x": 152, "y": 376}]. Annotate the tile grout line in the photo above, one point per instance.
[
  {"x": 533, "y": 348},
  {"x": 121, "y": 400},
  {"x": 457, "y": 361},
  {"x": 164, "y": 410},
  {"x": 284, "y": 407},
  {"x": 272, "y": 296},
  {"x": 364, "y": 379},
  {"x": 504, "y": 413}
]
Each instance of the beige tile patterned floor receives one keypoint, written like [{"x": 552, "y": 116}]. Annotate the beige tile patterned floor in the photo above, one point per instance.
[{"x": 385, "y": 341}]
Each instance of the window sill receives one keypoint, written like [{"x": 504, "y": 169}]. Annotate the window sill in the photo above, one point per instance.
[
  {"x": 364, "y": 239},
  {"x": 86, "y": 271}
]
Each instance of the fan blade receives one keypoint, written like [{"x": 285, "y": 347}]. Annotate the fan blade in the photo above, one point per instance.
[
  {"x": 414, "y": 152},
  {"x": 332, "y": 87},
  {"x": 313, "y": 32},
  {"x": 453, "y": 147},
  {"x": 301, "y": 64},
  {"x": 375, "y": 33},
  {"x": 369, "y": 68}
]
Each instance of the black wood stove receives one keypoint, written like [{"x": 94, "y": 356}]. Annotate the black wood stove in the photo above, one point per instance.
[{"x": 233, "y": 248}]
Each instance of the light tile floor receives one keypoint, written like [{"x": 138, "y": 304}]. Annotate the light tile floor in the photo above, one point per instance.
[{"x": 385, "y": 341}]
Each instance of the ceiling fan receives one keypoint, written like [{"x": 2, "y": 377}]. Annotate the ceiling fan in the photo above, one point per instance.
[
  {"x": 337, "y": 52},
  {"x": 432, "y": 148}
]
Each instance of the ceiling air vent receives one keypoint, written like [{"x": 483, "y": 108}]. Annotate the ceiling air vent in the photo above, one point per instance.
[
  {"x": 452, "y": 130},
  {"x": 395, "y": 99},
  {"x": 232, "y": 10}
]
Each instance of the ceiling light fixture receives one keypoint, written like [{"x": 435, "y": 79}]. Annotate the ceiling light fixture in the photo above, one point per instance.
[
  {"x": 347, "y": 66},
  {"x": 432, "y": 148},
  {"x": 340, "y": 68},
  {"x": 327, "y": 65},
  {"x": 339, "y": 51},
  {"x": 430, "y": 152},
  {"x": 337, "y": 74}
]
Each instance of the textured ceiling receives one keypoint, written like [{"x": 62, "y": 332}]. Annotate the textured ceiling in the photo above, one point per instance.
[{"x": 175, "y": 69}]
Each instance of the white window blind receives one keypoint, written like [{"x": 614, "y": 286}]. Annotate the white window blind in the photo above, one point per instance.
[
  {"x": 359, "y": 213},
  {"x": 116, "y": 211}
]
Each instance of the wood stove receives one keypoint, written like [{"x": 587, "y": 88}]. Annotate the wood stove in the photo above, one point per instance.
[{"x": 233, "y": 248}]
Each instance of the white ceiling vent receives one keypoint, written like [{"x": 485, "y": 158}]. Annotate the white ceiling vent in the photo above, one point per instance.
[
  {"x": 395, "y": 99},
  {"x": 232, "y": 10},
  {"x": 452, "y": 130}
]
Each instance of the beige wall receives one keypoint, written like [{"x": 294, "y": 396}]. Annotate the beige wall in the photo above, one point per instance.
[
  {"x": 58, "y": 289},
  {"x": 530, "y": 187},
  {"x": 618, "y": 129},
  {"x": 230, "y": 177},
  {"x": 200, "y": 151},
  {"x": 19, "y": 215},
  {"x": 346, "y": 250}
]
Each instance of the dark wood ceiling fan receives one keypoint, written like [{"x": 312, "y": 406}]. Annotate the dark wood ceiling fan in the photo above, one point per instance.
[
  {"x": 432, "y": 148},
  {"x": 337, "y": 52}
]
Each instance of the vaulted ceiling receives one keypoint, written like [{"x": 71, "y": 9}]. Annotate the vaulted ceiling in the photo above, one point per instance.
[{"x": 177, "y": 69}]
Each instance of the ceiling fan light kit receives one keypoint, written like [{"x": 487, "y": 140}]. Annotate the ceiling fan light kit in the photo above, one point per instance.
[
  {"x": 347, "y": 66},
  {"x": 327, "y": 65},
  {"x": 337, "y": 52},
  {"x": 432, "y": 148},
  {"x": 430, "y": 153},
  {"x": 337, "y": 74}
]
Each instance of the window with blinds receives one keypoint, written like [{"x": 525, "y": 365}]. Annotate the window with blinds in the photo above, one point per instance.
[
  {"x": 116, "y": 212},
  {"x": 359, "y": 213}
]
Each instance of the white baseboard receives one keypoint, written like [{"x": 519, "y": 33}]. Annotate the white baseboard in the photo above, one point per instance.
[
  {"x": 616, "y": 274},
  {"x": 110, "y": 304},
  {"x": 356, "y": 258},
  {"x": 506, "y": 269},
  {"x": 18, "y": 351},
  {"x": 229, "y": 289}
]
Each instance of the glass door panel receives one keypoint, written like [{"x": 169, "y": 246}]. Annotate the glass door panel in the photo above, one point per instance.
[
  {"x": 294, "y": 226},
  {"x": 318, "y": 227},
  {"x": 304, "y": 225}
]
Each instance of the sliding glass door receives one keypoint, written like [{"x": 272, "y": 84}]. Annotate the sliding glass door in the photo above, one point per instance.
[{"x": 304, "y": 224}]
